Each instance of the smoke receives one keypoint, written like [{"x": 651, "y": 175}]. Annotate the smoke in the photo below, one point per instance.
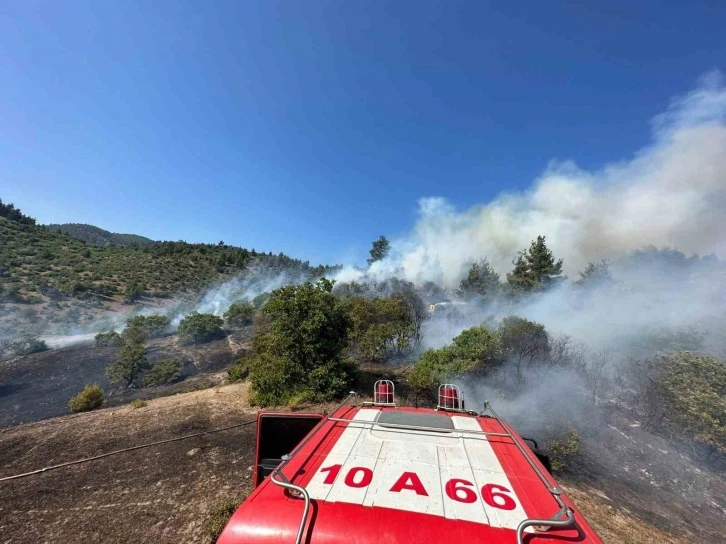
[{"x": 671, "y": 193}]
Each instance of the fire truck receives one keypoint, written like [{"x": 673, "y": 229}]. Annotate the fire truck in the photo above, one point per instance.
[{"x": 370, "y": 472}]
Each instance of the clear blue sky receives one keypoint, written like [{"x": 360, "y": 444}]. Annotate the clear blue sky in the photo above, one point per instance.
[{"x": 311, "y": 127}]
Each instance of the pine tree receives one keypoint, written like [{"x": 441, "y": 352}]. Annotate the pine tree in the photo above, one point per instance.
[
  {"x": 481, "y": 281},
  {"x": 380, "y": 249},
  {"x": 535, "y": 269}
]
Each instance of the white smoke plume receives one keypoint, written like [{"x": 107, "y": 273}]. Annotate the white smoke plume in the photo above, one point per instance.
[{"x": 671, "y": 193}]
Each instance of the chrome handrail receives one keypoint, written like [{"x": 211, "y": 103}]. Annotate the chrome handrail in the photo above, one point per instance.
[{"x": 555, "y": 522}]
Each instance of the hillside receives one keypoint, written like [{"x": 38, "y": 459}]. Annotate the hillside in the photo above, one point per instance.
[
  {"x": 95, "y": 235},
  {"x": 38, "y": 264}
]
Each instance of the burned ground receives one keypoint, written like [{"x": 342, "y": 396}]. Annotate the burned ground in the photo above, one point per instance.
[
  {"x": 39, "y": 386},
  {"x": 164, "y": 493}
]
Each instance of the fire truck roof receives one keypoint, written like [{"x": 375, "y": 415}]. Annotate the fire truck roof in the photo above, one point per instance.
[{"x": 395, "y": 475}]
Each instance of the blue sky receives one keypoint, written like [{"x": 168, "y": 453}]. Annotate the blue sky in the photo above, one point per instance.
[{"x": 312, "y": 127}]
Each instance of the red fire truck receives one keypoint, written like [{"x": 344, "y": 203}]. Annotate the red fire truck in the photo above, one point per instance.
[{"x": 377, "y": 472}]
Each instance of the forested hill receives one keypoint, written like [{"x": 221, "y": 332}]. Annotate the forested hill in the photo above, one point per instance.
[
  {"x": 96, "y": 235},
  {"x": 39, "y": 263}
]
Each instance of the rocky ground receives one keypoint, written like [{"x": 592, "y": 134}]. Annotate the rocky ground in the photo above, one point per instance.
[{"x": 165, "y": 493}]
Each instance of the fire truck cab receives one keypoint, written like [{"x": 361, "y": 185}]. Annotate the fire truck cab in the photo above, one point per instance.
[{"x": 377, "y": 472}]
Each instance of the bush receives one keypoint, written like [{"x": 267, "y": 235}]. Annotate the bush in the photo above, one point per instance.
[
  {"x": 138, "y": 403},
  {"x": 134, "y": 336},
  {"x": 239, "y": 314},
  {"x": 89, "y": 399},
  {"x": 198, "y": 328},
  {"x": 108, "y": 339},
  {"x": 153, "y": 325},
  {"x": 299, "y": 354},
  {"x": 26, "y": 345},
  {"x": 218, "y": 518},
  {"x": 561, "y": 451},
  {"x": 523, "y": 340},
  {"x": 131, "y": 364},
  {"x": 693, "y": 395},
  {"x": 380, "y": 326},
  {"x": 162, "y": 372},
  {"x": 474, "y": 347},
  {"x": 238, "y": 371}
]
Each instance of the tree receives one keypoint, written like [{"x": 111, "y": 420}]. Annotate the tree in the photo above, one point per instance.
[
  {"x": 108, "y": 339},
  {"x": 239, "y": 314},
  {"x": 379, "y": 251},
  {"x": 481, "y": 281},
  {"x": 134, "y": 336},
  {"x": 535, "y": 269},
  {"x": 522, "y": 340},
  {"x": 130, "y": 365},
  {"x": 380, "y": 326},
  {"x": 299, "y": 349},
  {"x": 162, "y": 372},
  {"x": 596, "y": 275},
  {"x": 693, "y": 391},
  {"x": 199, "y": 328},
  {"x": 154, "y": 325}
]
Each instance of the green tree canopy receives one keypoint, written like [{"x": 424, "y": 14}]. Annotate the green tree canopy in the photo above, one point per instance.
[
  {"x": 239, "y": 314},
  {"x": 129, "y": 366},
  {"x": 535, "y": 269},
  {"x": 595, "y": 275},
  {"x": 380, "y": 250},
  {"x": 481, "y": 281},
  {"x": 380, "y": 326},
  {"x": 299, "y": 351},
  {"x": 153, "y": 325},
  {"x": 199, "y": 328}
]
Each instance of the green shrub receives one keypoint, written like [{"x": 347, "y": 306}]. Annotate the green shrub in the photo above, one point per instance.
[
  {"x": 300, "y": 351},
  {"x": 138, "y": 403},
  {"x": 379, "y": 327},
  {"x": 108, "y": 339},
  {"x": 154, "y": 325},
  {"x": 89, "y": 399},
  {"x": 198, "y": 328},
  {"x": 217, "y": 519},
  {"x": 523, "y": 340},
  {"x": 239, "y": 314},
  {"x": 562, "y": 451},
  {"x": 129, "y": 367},
  {"x": 238, "y": 371},
  {"x": 26, "y": 345},
  {"x": 134, "y": 336},
  {"x": 162, "y": 372}
]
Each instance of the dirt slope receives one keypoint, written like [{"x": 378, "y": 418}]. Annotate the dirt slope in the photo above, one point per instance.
[{"x": 164, "y": 493}]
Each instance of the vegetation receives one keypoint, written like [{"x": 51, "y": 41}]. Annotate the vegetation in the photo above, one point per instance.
[
  {"x": 218, "y": 518},
  {"x": 523, "y": 341},
  {"x": 39, "y": 263},
  {"x": 138, "y": 403},
  {"x": 134, "y": 336},
  {"x": 238, "y": 371},
  {"x": 89, "y": 399},
  {"x": 474, "y": 348},
  {"x": 481, "y": 282},
  {"x": 562, "y": 451},
  {"x": 153, "y": 325},
  {"x": 595, "y": 275},
  {"x": 534, "y": 269},
  {"x": 162, "y": 372},
  {"x": 199, "y": 328},
  {"x": 379, "y": 327},
  {"x": 380, "y": 250},
  {"x": 94, "y": 235},
  {"x": 108, "y": 339},
  {"x": 25, "y": 345},
  {"x": 299, "y": 351},
  {"x": 129, "y": 367},
  {"x": 239, "y": 314}
]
